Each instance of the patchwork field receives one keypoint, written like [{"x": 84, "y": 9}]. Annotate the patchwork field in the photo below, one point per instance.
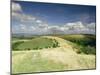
[{"x": 53, "y": 53}]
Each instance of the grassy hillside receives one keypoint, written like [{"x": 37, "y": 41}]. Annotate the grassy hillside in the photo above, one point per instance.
[
  {"x": 31, "y": 61},
  {"x": 80, "y": 39},
  {"x": 64, "y": 57},
  {"x": 34, "y": 44},
  {"x": 84, "y": 43},
  {"x": 36, "y": 61}
]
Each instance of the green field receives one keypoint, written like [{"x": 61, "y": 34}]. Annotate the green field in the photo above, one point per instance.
[
  {"x": 84, "y": 43},
  {"x": 80, "y": 39},
  {"x": 34, "y": 44},
  {"x": 53, "y": 53},
  {"x": 27, "y": 63}
]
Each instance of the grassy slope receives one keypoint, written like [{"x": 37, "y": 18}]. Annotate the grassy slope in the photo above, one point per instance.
[
  {"x": 84, "y": 43},
  {"x": 36, "y": 43},
  {"x": 54, "y": 59},
  {"x": 31, "y": 61}
]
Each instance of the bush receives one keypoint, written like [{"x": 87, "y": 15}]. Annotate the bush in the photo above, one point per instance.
[
  {"x": 40, "y": 48},
  {"x": 54, "y": 45},
  {"x": 88, "y": 50},
  {"x": 36, "y": 48},
  {"x": 14, "y": 45},
  {"x": 28, "y": 49},
  {"x": 46, "y": 47}
]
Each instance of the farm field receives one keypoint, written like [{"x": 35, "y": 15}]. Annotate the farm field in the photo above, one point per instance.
[{"x": 53, "y": 53}]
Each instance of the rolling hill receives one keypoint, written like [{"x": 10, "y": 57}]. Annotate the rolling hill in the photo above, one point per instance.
[{"x": 60, "y": 58}]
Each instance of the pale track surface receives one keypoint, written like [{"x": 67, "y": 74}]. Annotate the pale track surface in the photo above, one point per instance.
[{"x": 66, "y": 55}]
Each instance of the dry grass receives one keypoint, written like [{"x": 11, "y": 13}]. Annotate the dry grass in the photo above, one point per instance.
[
  {"x": 66, "y": 55},
  {"x": 52, "y": 59}
]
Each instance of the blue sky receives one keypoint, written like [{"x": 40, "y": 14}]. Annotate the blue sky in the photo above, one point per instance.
[{"x": 34, "y": 15}]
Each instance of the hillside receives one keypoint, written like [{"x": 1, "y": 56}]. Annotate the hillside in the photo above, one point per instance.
[{"x": 60, "y": 58}]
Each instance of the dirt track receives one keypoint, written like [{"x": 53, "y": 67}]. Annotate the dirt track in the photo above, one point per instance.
[
  {"x": 63, "y": 55},
  {"x": 67, "y": 56}
]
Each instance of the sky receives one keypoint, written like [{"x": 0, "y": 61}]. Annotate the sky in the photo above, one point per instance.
[{"x": 51, "y": 18}]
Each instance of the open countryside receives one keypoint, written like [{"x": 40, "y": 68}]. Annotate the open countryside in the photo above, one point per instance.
[
  {"x": 53, "y": 53},
  {"x": 49, "y": 37}
]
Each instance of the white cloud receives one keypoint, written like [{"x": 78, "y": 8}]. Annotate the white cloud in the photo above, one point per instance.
[
  {"x": 16, "y": 7},
  {"x": 30, "y": 24},
  {"x": 26, "y": 23},
  {"x": 39, "y": 21},
  {"x": 73, "y": 28},
  {"x": 55, "y": 29},
  {"x": 79, "y": 27},
  {"x": 32, "y": 27},
  {"x": 23, "y": 17},
  {"x": 17, "y": 14},
  {"x": 43, "y": 26},
  {"x": 62, "y": 28},
  {"x": 26, "y": 18},
  {"x": 91, "y": 26},
  {"x": 75, "y": 25},
  {"x": 23, "y": 27}
]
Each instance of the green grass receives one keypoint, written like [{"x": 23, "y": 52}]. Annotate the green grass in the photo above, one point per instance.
[
  {"x": 15, "y": 39},
  {"x": 80, "y": 39},
  {"x": 31, "y": 61},
  {"x": 34, "y": 44},
  {"x": 83, "y": 43},
  {"x": 26, "y": 62}
]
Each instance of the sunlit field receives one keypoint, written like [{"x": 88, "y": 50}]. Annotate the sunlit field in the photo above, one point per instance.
[
  {"x": 49, "y": 37},
  {"x": 34, "y": 44},
  {"x": 53, "y": 53}
]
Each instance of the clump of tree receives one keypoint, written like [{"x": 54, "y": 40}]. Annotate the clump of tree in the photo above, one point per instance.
[
  {"x": 84, "y": 49},
  {"x": 88, "y": 50},
  {"x": 86, "y": 44},
  {"x": 28, "y": 49},
  {"x": 36, "y": 48},
  {"x": 15, "y": 45},
  {"x": 55, "y": 43}
]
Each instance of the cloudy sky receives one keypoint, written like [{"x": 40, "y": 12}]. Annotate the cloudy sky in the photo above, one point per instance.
[{"x": 43, "y": 18}]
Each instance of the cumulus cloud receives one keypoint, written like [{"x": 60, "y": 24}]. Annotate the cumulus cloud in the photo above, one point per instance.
[
  {"x": 16, "y": 7},
  {"x": 79, "y": 27},
  {"x": 70, "y": 28},
  {"x": 39, "y": 21},
  {"x": 25, "y": 22},
  {"x": 55, "y": 30},
  {"x": 22, "y": 17},
  {"x": 30, "y": 24},
  {"x": 75, "y": 25},
  {"x": 17, "y": 14},
  {"x": 23, "y": 27},
  {"x": 91, "y": 26},
  {"x": 32, "y": 27}
]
